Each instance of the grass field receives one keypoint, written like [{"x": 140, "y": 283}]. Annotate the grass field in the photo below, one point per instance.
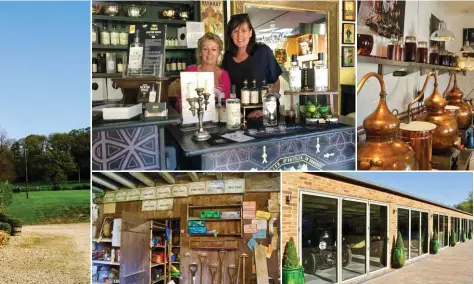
[{"x": 51, "y": 207}]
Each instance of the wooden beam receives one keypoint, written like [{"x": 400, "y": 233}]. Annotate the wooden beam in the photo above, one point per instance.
[
  {"x": 220, "y": 175},
  {"x": 193, "y": 176},
  {"x": 104, "y": 182},
  {"x": 143, "y": 178},
  {"x": 168, "y": 177},
  {"x": 119, "y": 179},
  {"x": 96, "y": 189}
]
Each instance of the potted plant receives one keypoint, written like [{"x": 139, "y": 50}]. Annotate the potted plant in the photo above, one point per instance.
[
  {"x": 293, "y": 272},
  {"x": 452, "y": 240},
  {"x": 470, "y": 234},
  {"x": 399, "y": 257},
  {"x": 16, "y": 226},
  {"x": 463, "y": 236},
  {"x": 435, "y": 243}
]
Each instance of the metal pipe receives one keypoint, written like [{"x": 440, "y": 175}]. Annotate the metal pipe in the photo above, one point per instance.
[
  {"x": 452, "y": 74},
  {"x": 422, "y": 93},
  {"x": 366, "y": 77}
]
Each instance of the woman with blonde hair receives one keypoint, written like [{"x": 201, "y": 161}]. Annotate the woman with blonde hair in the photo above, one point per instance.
[{"x": 209, "y": 54}]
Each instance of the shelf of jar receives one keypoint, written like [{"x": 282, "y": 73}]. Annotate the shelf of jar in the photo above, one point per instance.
[
  {"x": 106, "y": 75},
  {"x": 109, "y": 47},
  {"x": 137, "y": 20},
  {"x": 105, "y": 262},
  {"x": 310, "y": 93},
  {"x": 395, "y": 63}
]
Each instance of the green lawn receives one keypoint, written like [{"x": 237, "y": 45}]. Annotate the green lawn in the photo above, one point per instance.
[
  {"x": 51, "y": 207},
  {"x": 46, "y": 185}
]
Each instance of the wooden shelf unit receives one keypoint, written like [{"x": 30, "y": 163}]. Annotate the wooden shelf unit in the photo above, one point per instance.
[{"x": 226, "y": 227}]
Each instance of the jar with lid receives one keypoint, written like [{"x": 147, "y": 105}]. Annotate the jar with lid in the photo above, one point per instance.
[
  {"x": 391, "y": 47},
  {"x": 443, "y": 58},
  {"x": 365, "y": 41},
  {"x": 434, "y": 55},
  {"x": 410, "y": 49},
  {"x": 422, "y": 53}
]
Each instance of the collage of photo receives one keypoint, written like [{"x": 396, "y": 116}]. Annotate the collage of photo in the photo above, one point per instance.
[{"x": 237, "y": 142}]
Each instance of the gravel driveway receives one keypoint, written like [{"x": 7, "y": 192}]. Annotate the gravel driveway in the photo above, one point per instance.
[{"x": 47, "y": 254}]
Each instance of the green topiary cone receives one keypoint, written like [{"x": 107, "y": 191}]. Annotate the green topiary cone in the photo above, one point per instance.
[
  {"x": 399, "y": 257},
  {"x": 452, "y": 240},
  {"x": 435, "y": 243}
]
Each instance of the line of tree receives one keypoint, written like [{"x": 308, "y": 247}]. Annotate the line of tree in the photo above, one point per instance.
[
  {"x": 466, "y": 205},
  {"x": 55, "y": 158}
]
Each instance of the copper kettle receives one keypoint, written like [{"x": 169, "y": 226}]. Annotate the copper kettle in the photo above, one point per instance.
[
  {"x": 382, "y": 149},
  {"x": 454, "y": 98},
  {"x": 446, "y": 131}
]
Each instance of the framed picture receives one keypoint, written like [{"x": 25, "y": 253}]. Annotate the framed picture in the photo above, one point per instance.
[
  {"x": 348, "y": 58},
  {"x": 212, "y": 15},
  {"x": 348, "y": 33},
  {"x": 382, "y": 17},
  {"x": 348, "y": 11}
]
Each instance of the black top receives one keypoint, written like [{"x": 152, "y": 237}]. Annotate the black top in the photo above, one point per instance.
[{"x": 260, "y": 65}]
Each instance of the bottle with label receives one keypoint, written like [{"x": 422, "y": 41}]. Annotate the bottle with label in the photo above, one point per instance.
[
  {"x": 167, "y": 65},
  {"x": 104, "y": 62},
  {"x": 304, "y": 79},
  {"x": 111, "y": 67},
  {"x": 119, "y": 65},
  {"x": 270, "y": 115},
  {"x": 216, "y": 114},
  {"x": 114, "y": 35},
  {"x": 105, "y": 35},
  {"x": 233, "y": 111},
  {"x": 112, "y": 255},
  {"x": 136, "y": 56},
  {"x": 245, "y": 94},
  {"x": 178, "y": 65},
  {"x": 152, "y": 94},
  {"x": 295, "y": 75},
  {"x": 94, "y": 34},
  {"x": 173, "y": 64},
  {"x": 100, "y": 69},
  {"x": 123, "y": 36},
  {"x": 222, "y": 110},
  {"x": 94, "y": 65},
  {"x": 254, "y": 93},
  {"x": 183, "y": 65},
  {"x": 263, "y": 91}
]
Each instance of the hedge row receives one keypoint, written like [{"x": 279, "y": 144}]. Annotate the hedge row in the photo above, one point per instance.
[
  {"x": 10, "y": 221},
  {"x": 52, "y": 187}
]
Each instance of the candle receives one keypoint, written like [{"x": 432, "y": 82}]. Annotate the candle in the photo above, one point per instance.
[
  {"x": 190, "y": 91},
  {"x": 207, "y": 87}
]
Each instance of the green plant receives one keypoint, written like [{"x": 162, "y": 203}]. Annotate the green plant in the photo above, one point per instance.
[
  {"x": 399, "y": 256},
  {"x": 470, "y": 234},
  {"x": 56, "y": 187},
  {"x": 5, "y": 227},
  {"x": 6, "y": 195},
  {"x": 463, "y": 236},
  {"x": 15, "y": 222},
  {"x": 452, "y": 240},
  {"x": 435, "y": 243},
  {"x": 290, "y": 257}
]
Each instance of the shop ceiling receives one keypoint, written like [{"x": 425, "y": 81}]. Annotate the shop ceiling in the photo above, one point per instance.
[
  {"x": 284, "y": 19},
  {"x": 109, "y": 181}
]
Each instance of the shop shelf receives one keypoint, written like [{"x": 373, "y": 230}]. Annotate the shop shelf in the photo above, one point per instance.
[
  {"x": 212, "y": 235},
  {"x": 109, "y": 47},
  {"x": 156, "y": 264},
  {"x": 216, "y": 219},
  {"x": 105, "y": 262},
  {"x": 102, "y": 240},
  {"x": 310, "y": 93},
  {"x": 214, "y": 206},
  {"x": 106, "y": 75},
  {"x": 179, "y": 48},
  {"x": 137, "y": 20}
]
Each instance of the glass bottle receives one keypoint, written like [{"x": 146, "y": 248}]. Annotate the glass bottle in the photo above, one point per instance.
[
  {"x": 254, "y": 93},
  {"x": 222, "y": 110},
  {"x": 94, "y": 65},
  {"x": 263, "y": 91},
  {"x": 183, "y": 65},
  {"x": 245, "y": 94},
  {"x": 123, "y": 37},
  {"x": 233, "y": 111},
  {"x": 173, "y": 64},
  {"x": 136, "y": 55},
  {"x": 94, "y": 34},
  {"x": 119, "y": 65},
  {"x": 422, "y": 52},
  {"x": 391, "y": 47},
  {"x": 114, "y": 35},
  {"x": 104, "y": 35},
  {"x": 270, "y": 117},
  {"x": 99, "y": 63},
  {"x": 152, "y": 94},
  {"x": 295, "y": 74},
  {"x": 110, "y": 58},
  {"x": 168, "y": 65},
  {"x": 410, "y": 49},
  {"x": 434, "y": 55}
]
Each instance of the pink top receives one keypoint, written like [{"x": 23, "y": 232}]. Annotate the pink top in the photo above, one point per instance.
[{"x": 221, "y": 86}]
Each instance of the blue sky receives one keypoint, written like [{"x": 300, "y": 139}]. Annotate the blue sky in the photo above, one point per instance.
[
  {"x": 45, "y": 67},
  {"x": 448, "y": 188}
]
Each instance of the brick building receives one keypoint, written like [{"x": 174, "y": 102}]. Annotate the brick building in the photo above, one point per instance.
[{"x": 321, "y": 210}]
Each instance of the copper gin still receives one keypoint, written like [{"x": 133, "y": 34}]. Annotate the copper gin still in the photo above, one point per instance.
[
  {"x": 419, "y": 135},
  {"x": 447, "y": 128},
  {"x": 382, "y": 149},
  {"x": 454, "y": 98}
]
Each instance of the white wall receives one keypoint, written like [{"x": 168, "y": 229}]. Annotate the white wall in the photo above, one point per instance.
[{"x": 401, "y": 90}]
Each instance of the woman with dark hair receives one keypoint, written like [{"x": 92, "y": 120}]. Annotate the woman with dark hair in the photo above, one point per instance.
[{"x": 247, "y": 60}]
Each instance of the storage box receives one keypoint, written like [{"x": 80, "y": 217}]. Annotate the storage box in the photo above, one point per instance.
[
  {"x": 192, "y": 223},
  {"x": 197, "y": 230},
  {"x": 210, "y": 214},
  {"x": 230, "y": 214}
]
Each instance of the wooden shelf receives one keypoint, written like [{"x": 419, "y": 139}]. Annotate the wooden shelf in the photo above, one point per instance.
[
  {"x": 105, "y": 262},
  {"x": 158, "y": 247},
  {"x": 215, "y": 206},
  {"x": 217, "y": 219},
  {"x": 106, "y": 75},
  {"x": 158, "y": 280},
  {"x": 402, "y": 64},
  {"x": 102, "y": 240},
  {"x": 179, "y": 48},
  {"x": 110, "y": 47},
  {"x": 218, "y": 235},
  {"x": 156, "y": 264},
  {"x": 137, "y": 20},
  {"x": 310, "y": 93}
]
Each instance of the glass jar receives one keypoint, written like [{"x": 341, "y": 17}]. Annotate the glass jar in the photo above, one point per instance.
[
  {"x": 422, "y": 53},
  {"x": 365, "y": 41},
  {"x": 410, "y": 49},
  {"x": 391, "y": 47},
  {"x": 443, "y": 58},
  {"x": 434, "y": 55}
]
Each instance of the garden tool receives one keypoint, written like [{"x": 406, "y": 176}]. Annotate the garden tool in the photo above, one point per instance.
[
  {"x": 222, "y": 257},
  {"x": 238, "y": 271},
  {"x": 231, "y": 271},
  {"x": 213, "y": 269},
  {"x": 202, "y": 259},
  {"x": 193, "y": 267},
  {"x": 243, "y": 256}
]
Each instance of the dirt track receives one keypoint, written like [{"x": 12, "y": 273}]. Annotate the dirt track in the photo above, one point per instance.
[{"x": 47, "y": 254}]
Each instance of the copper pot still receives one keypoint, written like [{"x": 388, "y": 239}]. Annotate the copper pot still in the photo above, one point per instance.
[
  {"x": 454, "y": 98},
  {"x": 419, "y": 135},
  {"x": 382, "y": 149},
  {"x": 446, "y": 131}
]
